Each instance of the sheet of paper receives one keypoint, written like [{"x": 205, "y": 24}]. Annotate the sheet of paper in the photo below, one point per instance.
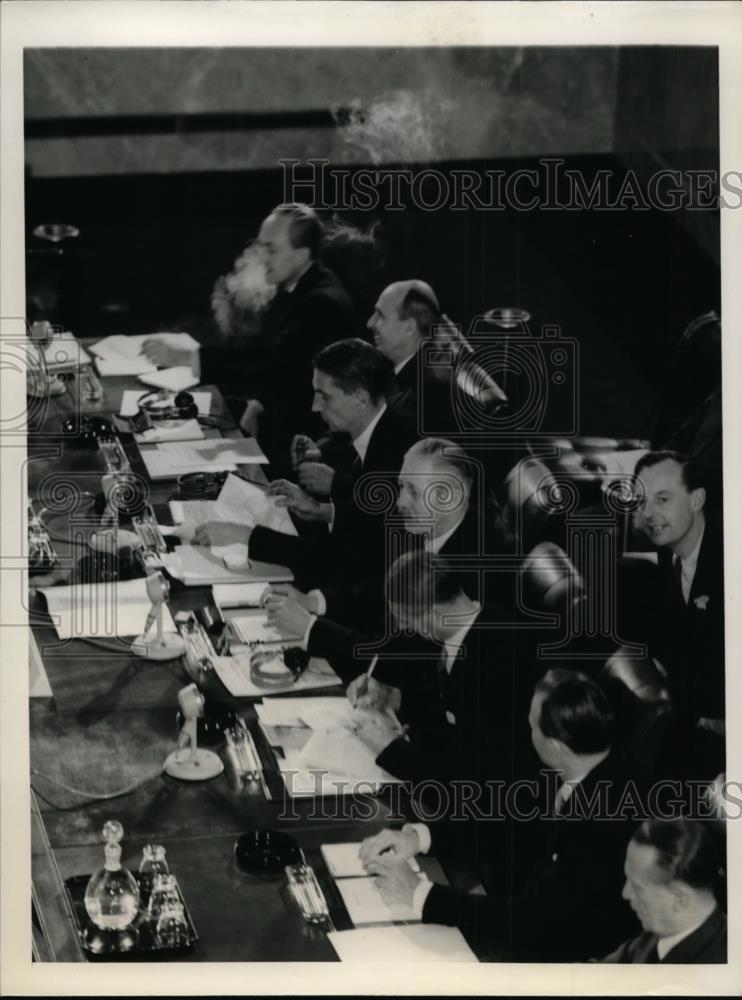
[
  {"x": 123, "y": 346},
  {"x": 343, "y": 860},
  {"x": 234, "y": 556},
  {"x": 334, "y": 717},
  {"x": 171, "y": 430},
  {"x": 234, "y": 673},
  {"x": 193, "y": 511},
  {"x": 366, "y": 905},
  {"x": 411, "y": 943},
  {"x": 343, "y": 754},
  {"x": 130, "y": 398},
  {"x": 301, "y": 782},
  {"x": 238, "y": 595},
  {"x": 239, "y": 497},
  {"x": 168, "y": 461},
  {"x": 102, "y": 609},
  {"x": 197, "y": 566},
  {"x": 287, "y": 711},
  {"x": 124, "y": 366},
  {"x": 255, "y": 628},
  {"x": 178, "y": 378}
]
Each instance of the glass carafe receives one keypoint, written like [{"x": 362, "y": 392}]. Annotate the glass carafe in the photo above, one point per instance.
[{"x": 112, "y": 894}]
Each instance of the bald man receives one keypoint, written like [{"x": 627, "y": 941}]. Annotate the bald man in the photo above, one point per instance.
[{"x": 405, "y": 316}]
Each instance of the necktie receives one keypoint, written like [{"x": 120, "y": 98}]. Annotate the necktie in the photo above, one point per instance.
[
  {"x": 677, "y": 566},
  {"x": 653, "y": 955}
]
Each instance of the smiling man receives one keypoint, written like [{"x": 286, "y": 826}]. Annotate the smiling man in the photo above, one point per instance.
[{"x": 688, "y": 616}]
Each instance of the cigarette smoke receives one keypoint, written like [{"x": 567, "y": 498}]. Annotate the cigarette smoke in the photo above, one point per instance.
[
  {"x": 241, "y": 296},
  {"x": 402, "y": 127}
]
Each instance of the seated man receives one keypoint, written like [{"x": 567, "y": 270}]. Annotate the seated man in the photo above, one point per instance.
[
  {"x": 688, "y": 616},
  {"x": 672, "y": 870},
  {"x": 310, "y": 310},
  {"x": 349, "y": 381},
  {"x": 565, "y": 863}
]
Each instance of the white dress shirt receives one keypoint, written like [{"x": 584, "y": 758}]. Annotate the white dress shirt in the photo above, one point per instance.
[
  {"x": 688, "y": 568},
  {"x": 361, "y": 442},
  {"x": 400, "y": 364}
]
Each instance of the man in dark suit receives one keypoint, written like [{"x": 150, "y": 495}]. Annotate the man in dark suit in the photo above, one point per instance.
[
  {"x": 310, "y": 310},
  {"x": 563, "y": 871},
  {"x": 349, "y": 381},
  {"x": 672, "y": 870},
  {"x": 688, "y": 633}
]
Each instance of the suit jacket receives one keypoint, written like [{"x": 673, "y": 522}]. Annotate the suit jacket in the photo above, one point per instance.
[
  {"x": 705, "y": 946},
  {"x": 277, "y": 368},
  {"x": 425, "y": 397},
  {"x": 567, "y": 873},
  {"x": 355, "y": 549},
  {"x": 689, "y": 641}
]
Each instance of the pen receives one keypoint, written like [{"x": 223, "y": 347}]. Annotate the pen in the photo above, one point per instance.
[{"x": 369, "y": 673}]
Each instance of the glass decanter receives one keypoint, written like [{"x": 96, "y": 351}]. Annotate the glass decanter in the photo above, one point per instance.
[
  {"x": 112, "y": 894},
  {"x": 153, "y": 863}
]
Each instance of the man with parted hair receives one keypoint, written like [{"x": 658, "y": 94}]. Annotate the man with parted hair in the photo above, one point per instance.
[
  {"x": 688, "y": 616},
  {"x": 563, "y": 901},
  {"x": 310, "y": 309},
  {"x": 673, "y": 869}
]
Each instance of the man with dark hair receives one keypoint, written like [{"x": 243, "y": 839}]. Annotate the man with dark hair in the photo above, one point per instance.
[
  {"x": 688, "y": 619},
  {"x": 564, "y": 873},
  {"x": 349, "y": 381},
  {"x": 673, "y": 868},
  {"x": 310, "y": 309}
]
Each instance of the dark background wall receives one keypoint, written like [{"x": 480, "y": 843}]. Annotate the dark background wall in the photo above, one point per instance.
[{"x": 166, "y": 161}]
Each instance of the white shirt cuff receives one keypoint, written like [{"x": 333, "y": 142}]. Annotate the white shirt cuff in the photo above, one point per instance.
[
  {"x": 419, "y": 897},
  {"x": 321, "y": 602},
  {"x": 332, "y": 516},
  {"x": 307, "y": 630},
  {"x": 423, "y": 835},
  {"x": 195, "y": 362}
]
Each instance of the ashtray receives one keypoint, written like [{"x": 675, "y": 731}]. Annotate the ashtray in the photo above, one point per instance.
[
  {"x": 265, "y": 853},
  {"x": 136, "y": 943}
]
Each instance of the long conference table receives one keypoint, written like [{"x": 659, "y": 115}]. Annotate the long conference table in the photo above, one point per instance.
[{"x": 111, "y": 722}]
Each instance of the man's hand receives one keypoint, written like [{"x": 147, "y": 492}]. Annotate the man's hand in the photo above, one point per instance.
[
  {"x": 221, "y": 533},
  {"x": 398, "y": 844},
  {"x": 366, "y": 693},
  {"x": 285, "y": 614},
  {"x": 303, "y": 449},
  {"x": 316, "y": 477},
  {"x": 395, "y": 879},
  {"x": 162, "y": 354},
  {"x": 292, "y": 496},
  {"x": 250, "y": 419},
  {"x": 284, "y": 590},
  {"x": 376, "y": 730}
]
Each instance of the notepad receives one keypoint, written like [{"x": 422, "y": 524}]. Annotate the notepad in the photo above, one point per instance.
[
  {"x": 343, "y": 860},
  {"x": 366, "y": 905},
  {"x": 412, "y": 943},
  {"x": 119, "y": 608},
  {"x": 343, "y": 754},
  {"x": 131, "y": 397},
  {"x": 176, "y": 379}
]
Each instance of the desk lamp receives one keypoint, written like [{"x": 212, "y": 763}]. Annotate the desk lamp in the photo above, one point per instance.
[
  {"x": 191, "y": 762},
  {"x": 162, "y": 647}
]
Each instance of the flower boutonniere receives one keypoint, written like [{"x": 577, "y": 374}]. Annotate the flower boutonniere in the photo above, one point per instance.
[{"x": 701, "y": 602}]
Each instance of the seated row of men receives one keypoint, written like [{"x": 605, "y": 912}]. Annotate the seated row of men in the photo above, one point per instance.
[{"x": 400, "y": 584}]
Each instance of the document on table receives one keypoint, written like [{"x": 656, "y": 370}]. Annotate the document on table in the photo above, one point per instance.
[
  {"x": 168, "y": 461},
  {"x": 343, "y": 754},
  {"x": 196, "y": 565},
  {"x": 131, "y": 397},
  {"x": 343, "y": 860},
  {"x": 235, "y": 595},
  {"x": 124, "y": 366},
  {"x": 171, "y": 430},
  {"x": 234, "y": 673},
  {"x": 289, "y": 711},
  {"x": 412, "y": 943},
  {"x": 120, "y": 346},
  {"x": 119, "y": 608},
  {"x": 176, "y": 379},
  {"x": 239, "y": 497},
  {"x": 304, "y": 782},
  {"x": 366, "y": 905},
  {"x": 255, "y": 628}
]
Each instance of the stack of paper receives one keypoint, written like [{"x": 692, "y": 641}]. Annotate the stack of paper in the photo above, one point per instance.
[
  {"x": 240, "y": 502},
  {"x": 168, "y": 461},
  {"x": 176, "y": 379},
  {"x": 366, "y": 905},
  {"x": 343, "y": 860},
  {"x": 412, "y": 943},
  {"x": 255, "y": 628},
  {"x": 238, "y": 595},
  {"x": 289, "y": 711},
  {"x": 171, "y": 430},
  {"x": 109, "y": 367},
  {"x": 102, "y": 609}
]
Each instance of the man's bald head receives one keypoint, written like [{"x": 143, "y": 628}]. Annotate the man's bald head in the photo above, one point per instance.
[{"x": 405, "y": 314}]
